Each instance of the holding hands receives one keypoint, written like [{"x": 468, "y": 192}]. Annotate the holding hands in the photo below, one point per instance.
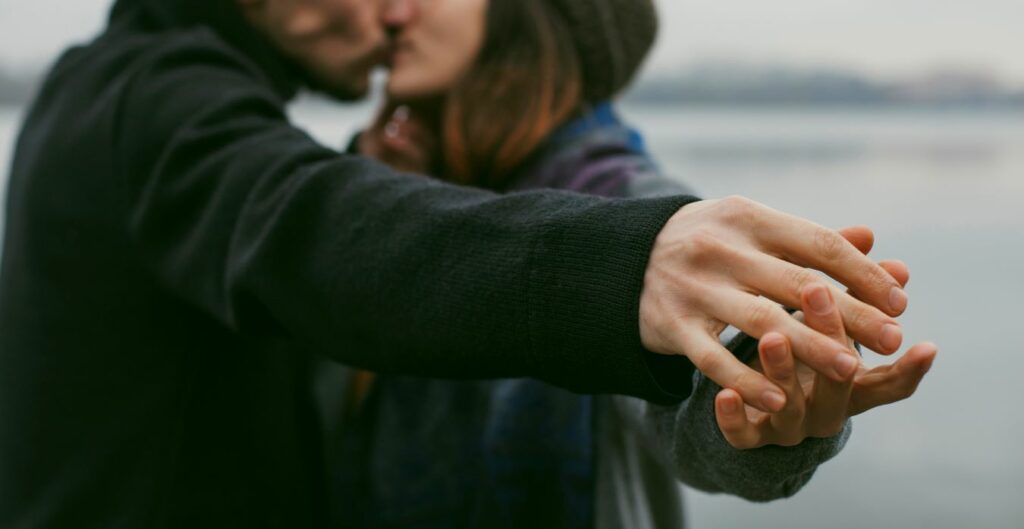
[
  {"x": 736, "y": 262},
  {"x": 817, "y": 406}
]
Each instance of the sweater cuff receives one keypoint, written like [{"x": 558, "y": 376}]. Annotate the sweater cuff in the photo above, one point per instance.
[{"x": 587, "y": 279}]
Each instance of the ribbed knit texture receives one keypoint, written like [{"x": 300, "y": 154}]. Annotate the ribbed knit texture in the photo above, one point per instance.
[{"x": 176, "y": 249}]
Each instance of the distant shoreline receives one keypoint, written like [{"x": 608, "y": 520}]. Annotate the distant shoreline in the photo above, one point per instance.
[
  {"x": 9, "y": 110},
  {"x": 743, "y": 85}
]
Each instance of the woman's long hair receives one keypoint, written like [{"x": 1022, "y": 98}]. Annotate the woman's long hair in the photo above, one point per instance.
[{"x": 525, "y": 82}]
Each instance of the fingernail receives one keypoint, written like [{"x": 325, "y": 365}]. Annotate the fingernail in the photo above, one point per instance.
[
  {"x": 401, "y": 113},
  {"x": 897, "y": 300},
  {"x": 846, "y": 365},
  {"x": 820, "y": 301},
  {"x": 773, "y": 400},
  {"x": 392, "y": 129},
  {"x": 928, "y": 364},
  {"x": 775, "y": 347},
  {"x": 729, "y": 405},
  {"x": 891, "y": 337}
]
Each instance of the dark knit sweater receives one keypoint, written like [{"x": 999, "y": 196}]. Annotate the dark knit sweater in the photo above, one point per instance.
[{"x": 176, "y": 251}]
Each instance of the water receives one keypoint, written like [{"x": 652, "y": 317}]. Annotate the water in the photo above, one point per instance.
[{"x": 943, "y": 191}]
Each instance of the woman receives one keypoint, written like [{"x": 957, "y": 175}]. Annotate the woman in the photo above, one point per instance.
[{"x": 512, "y": 95}]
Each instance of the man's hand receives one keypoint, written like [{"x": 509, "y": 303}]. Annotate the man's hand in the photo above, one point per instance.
[
  {"x": 817, "y": 406},
  {"x": 732, "y": 262}
]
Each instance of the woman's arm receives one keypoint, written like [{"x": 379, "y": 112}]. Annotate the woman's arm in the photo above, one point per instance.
[{"x": 687, "y": 440}]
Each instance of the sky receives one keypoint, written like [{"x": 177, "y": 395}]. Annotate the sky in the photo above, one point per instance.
[{"x": 888, "y": 38}]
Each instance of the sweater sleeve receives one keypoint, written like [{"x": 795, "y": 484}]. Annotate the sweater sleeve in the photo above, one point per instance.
[
  {"x": 246, "y": 218},
  {"x": 686, "y": 437}
]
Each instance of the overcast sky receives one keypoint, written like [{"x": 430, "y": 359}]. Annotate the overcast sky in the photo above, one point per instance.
[{"x": 881, "y": 37}]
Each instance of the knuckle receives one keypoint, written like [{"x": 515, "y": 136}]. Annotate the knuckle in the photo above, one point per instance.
[
  {"x": 737, "y": 210},
  {"x": 880, "y": 280},
  {"x": 737, "y": 201},
  {"x": 829, "y": 244},
  {"x": 761, "y": 315},
  {"x": 745, "y": 379},
  {"x": 704, "y": 242},
  {"x": 859, "y": 317},
  {"x": 798, "y": 278},
  {"x": 707, "y": 362}
]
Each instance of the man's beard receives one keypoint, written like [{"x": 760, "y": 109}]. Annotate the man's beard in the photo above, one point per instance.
[
  {"x": 354, "y": 85},
  {"x": 346, "y": 89}
]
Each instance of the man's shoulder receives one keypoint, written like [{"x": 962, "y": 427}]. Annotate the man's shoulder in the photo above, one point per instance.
[
  {"x": 195, "y": 53},
  {"x": 120, "y": 64},
  {"x": 122, "y": 53}
]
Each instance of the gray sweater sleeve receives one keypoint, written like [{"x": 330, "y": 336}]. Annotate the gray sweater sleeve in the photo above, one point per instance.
[
  {"x": 690, "y": 440},
  {"x": 686, "y": 437}
]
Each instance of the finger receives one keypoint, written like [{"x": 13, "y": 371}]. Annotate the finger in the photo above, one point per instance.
[
  {"x": 898, "y": 270},
  {"x": 861, "y": 237},
  {"x": 807, "y": 244},
  {"x": 887, "y": 384},
  {"x": 786, "y": 426},
  {"x": 717, "y": 363},
  {"x": 783, "y": 282},
  {"x": 827, "y": 409},
  {"x": 821, "y": 312},
  {"x": 733, "y": 422},
  {"x": 757, "y": 316}
]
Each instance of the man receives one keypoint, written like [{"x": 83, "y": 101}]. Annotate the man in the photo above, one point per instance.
[{"x": 176, "y": 250}]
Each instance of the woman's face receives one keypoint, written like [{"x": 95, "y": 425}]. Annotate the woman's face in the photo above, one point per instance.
[{"x": 435, "y": 42}]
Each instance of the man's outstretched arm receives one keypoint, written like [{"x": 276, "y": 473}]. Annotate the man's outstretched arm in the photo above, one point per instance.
[{"x": 249, "y": 220}]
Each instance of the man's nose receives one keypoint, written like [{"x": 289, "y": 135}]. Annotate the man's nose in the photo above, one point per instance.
[{"x": 397, "y": 13}]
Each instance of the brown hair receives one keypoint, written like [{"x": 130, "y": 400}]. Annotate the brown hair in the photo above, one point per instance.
[{"x": 525, "y": 82}]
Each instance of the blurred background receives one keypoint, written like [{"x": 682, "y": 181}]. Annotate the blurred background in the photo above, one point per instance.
[{"x": 906, "y": 115}]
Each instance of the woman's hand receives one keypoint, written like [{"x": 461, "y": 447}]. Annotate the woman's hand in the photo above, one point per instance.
[
  {"x": 817, "y": 406},
  {"x": 400, "y": 139}
]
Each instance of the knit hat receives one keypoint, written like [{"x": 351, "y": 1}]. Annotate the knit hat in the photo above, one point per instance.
[{"x": 613, "y": 38}]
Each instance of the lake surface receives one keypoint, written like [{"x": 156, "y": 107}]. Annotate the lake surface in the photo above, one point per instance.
[{"x": 943, "y": 192}]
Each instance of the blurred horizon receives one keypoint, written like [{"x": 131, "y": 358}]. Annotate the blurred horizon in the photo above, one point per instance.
[
  {"x": 732, "y": 81},
  {"x": 713, "y": 52}
]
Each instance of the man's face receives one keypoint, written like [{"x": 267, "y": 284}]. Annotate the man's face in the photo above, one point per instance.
[{"x": 338, "y": 42}]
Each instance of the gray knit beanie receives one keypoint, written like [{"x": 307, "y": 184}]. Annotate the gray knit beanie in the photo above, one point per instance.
[{"x": 613, "y": 38}]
